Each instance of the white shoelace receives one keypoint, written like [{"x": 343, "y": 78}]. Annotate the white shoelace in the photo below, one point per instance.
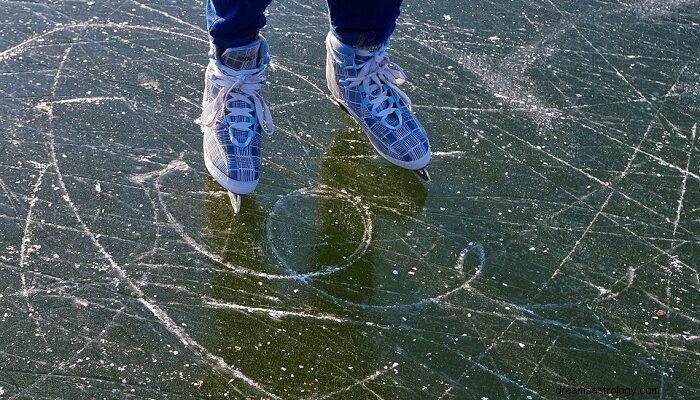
[
  {"x": 234, "y": 86},
  {"x": 380, "y": 79}
]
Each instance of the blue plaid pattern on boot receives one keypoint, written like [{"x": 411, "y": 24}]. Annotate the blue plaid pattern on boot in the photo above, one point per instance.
[
  {"x": 235, "y": 116},
  {"x": 365, "y": 83}
]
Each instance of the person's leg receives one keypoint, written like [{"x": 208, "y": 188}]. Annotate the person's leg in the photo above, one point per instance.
[
  {"x": 235, "y": 23},
  {"x": 363, "y": 22}
]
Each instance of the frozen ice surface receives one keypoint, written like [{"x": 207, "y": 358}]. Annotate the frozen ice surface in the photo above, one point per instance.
[{"x": 564, "y": 209}]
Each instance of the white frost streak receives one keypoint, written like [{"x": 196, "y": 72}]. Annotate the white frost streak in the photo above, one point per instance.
[{"x": 273, "y": 313}]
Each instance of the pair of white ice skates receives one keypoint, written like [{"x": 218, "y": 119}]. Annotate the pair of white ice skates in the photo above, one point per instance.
[{"x": 362, "y": 81}]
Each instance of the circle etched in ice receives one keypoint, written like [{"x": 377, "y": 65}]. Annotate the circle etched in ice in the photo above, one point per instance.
[{"x": 318, "y": 230}]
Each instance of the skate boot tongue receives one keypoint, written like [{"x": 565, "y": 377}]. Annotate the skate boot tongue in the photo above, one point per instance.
[
  {"x": 237, "y": 98},
  {"x": 245, "y": 57},
  {"x": 363, "y": 55},
  {"x": 362, "y": 58}
]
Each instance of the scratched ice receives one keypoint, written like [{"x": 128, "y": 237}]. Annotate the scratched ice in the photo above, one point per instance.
[{"x": 564, "y": 210}]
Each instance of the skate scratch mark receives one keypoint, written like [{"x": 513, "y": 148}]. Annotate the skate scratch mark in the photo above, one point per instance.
[
  {"x": 369, "y": 378},
  {"x": 678, "y": 336},
  {"x": 460, "y": 268},
  {"x": 43, "y": 105},
  {"x": 26, "y": 237},
  {"x": 280, "y": 314},
  {"x": 212, "y": 360},
  {"x": 170, "y": 16},
  {"x": 12, "y": 198},
  {"x": 24, "y": 251},
  {"x": 673, "y": 267},
  {"x": 685, "y": 171},
  {"x": 273, "y": 313},
  {"x": 452, "y": 153},
  {"x": 19, "y": 48},
  {"x": 544, "y": 355},
  {"x": 685, "y": 180}
]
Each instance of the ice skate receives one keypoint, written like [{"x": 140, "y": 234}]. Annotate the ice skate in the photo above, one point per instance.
[
  {"x": 365, "y": 84},
  {"x": 234, "y": 118}
]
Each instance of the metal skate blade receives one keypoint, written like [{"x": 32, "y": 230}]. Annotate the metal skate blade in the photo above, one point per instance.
[
  {"x": 342, "y": 106},
  {"x": 235, "y": 201},
  {"x": 423, "y": 174}
]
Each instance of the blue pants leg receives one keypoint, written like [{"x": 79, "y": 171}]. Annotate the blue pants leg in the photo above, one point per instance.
[
  {"x": 234, "y": 23},
  {"x": 363, "y": 22}
]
